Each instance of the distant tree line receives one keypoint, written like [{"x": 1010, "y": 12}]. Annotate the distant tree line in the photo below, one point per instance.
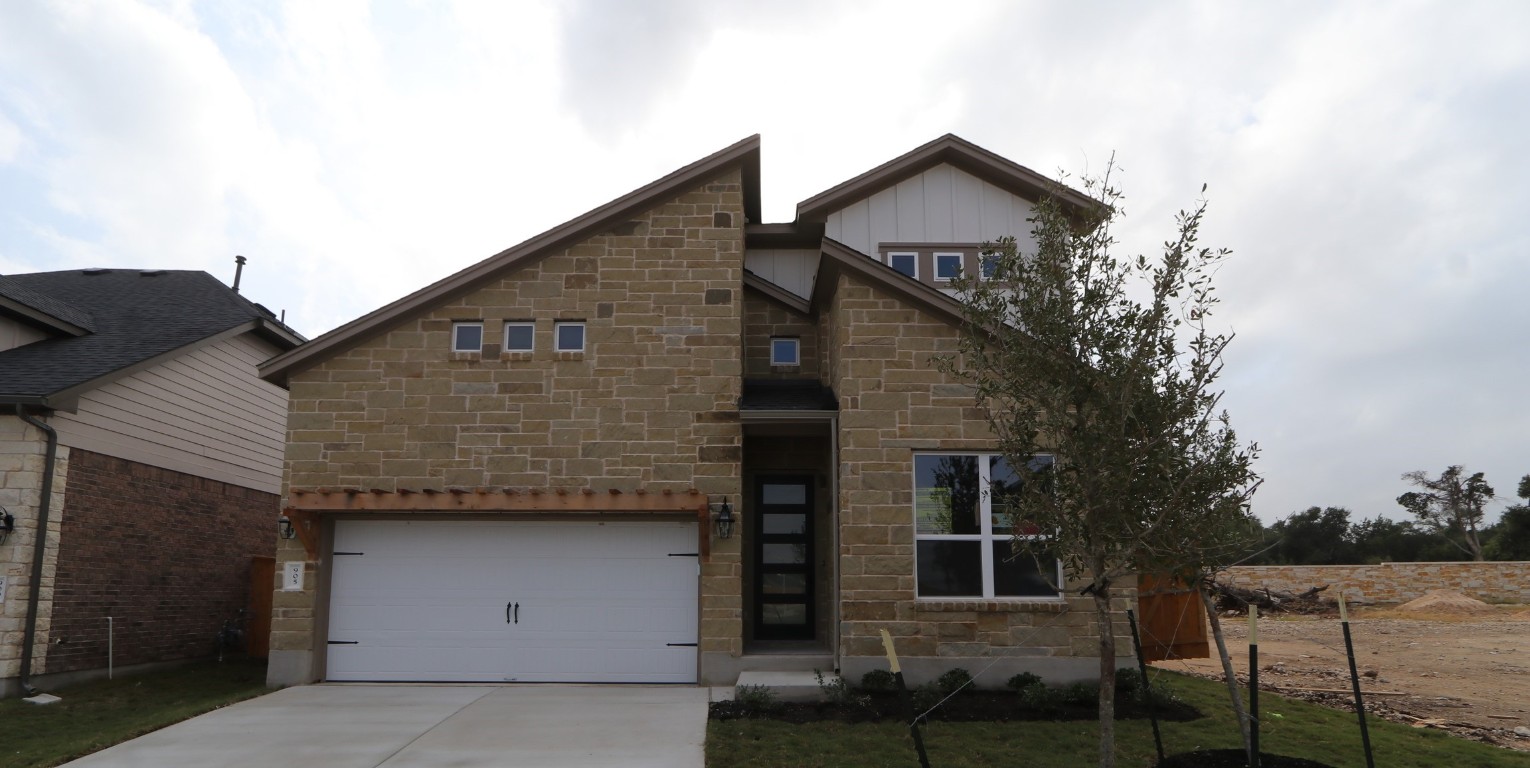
[{"x": 1448, "y": 524}]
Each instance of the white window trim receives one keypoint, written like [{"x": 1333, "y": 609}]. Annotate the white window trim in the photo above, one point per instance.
[
  {"x": 935, "y": 264},
  {"x": 505, "y": 347},
  {"x": 913, "y": 254},
  {"x": 985, "y": 535},
  {"x": 558, "y": 337},
  {"x": 796, "y": 351},
  {"x": 478, "y": 349}
]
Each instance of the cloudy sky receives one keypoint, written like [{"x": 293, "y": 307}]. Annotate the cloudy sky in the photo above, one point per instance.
[{"x": 1366, "y": 161}]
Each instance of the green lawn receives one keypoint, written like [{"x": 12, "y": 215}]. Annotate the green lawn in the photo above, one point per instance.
[
  {"x": 93, "y": 716},
  {"x": 1291, "y": 728}
]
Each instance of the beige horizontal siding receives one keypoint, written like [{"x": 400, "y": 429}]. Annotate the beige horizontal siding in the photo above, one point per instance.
[
  {"x": 205, "y": 413},
  {"x": 14, "y": 334}
]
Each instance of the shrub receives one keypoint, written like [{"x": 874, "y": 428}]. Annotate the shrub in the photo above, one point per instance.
[
  {"x": 925, "y": 697},
  {"x": 953, "y": 681},
  {"x": 838, "y": 692},
  {"x": 755, "y": 700},
  {"x": 1079, "y": 693},
  {"x": 1023, "y": 681},
  {"x": 879, "y": 681}
]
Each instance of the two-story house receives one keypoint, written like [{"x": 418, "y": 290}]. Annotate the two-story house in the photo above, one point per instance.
[
  {"x": 668, "y": 442},
  {"x": 140, "y": 461}
]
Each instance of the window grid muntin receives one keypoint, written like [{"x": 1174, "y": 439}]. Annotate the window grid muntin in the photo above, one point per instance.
[{"x": 985, "y": 535}]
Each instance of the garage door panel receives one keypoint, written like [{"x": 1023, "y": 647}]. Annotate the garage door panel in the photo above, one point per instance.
[{"x": 425, "y": 600}]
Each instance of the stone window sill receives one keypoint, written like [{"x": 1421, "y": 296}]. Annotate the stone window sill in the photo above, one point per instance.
[{"x": 993, "y": 606}]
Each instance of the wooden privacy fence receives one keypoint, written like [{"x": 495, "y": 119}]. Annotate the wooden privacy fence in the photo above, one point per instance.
[{"x": 1172, "y": 619}]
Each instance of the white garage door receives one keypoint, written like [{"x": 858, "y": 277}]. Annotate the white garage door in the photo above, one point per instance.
[{"x": 499, "y": 601}]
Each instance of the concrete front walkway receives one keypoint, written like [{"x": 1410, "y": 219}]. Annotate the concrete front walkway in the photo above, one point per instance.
[{"x": 430, "y": 726}]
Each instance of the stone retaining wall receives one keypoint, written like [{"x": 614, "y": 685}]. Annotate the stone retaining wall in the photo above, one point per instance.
[{"x": 1392, "y": 582}]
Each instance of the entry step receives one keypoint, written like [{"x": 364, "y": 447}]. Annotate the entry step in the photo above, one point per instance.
[{"x": 794, "y": 685}]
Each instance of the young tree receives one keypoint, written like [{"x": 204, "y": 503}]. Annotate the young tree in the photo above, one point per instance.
[
  {"x": 1450, "y": 504},
  {"x": 1107, "y": 364}
]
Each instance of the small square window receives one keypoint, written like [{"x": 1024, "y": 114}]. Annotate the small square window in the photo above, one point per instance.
[
  {"x": 988, "y": 265},
  {"x": 467, "y": 337},
  {"x": 568, "y": 337},
  {"x": 785, "y": 352},
  {"x": 948, "y": 266},
  {"x": 907, "y": 263},
  {"x": 520, "y": 337}
]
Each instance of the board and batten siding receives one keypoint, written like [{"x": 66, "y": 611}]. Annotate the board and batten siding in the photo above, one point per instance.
[
  {"x": 14, "y": 334},
  {"x": 791, "y": 269},
  {"x": 205, "y": 413},
  {"x": 942, "y": 205}
]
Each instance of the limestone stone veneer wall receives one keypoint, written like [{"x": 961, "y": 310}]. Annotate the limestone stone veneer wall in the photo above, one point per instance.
[
  {"x": 22, "y": 450},
  {"x": 1393, "y": 582}
]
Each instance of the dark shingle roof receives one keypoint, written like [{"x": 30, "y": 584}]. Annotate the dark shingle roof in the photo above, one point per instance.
[
  {"x": 135, "y": 316},
  {"x": 47, "y": 305},
  {"x": 786, "y": 395}
]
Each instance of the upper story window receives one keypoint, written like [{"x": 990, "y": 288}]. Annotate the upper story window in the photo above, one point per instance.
[
  {"x": 569, "y": 336},
  {"x": 905, "y": 262},
  {"x": 520, "y": 336},
  {"x": 963, "y": 534},
  {"x": 948, "y": 265},
  {"x": 785, "y": 351},
  {"x": 467, "y": 337}
]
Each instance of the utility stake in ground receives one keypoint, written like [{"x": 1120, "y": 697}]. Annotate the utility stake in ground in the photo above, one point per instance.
[{"x": 908, "y": 702}]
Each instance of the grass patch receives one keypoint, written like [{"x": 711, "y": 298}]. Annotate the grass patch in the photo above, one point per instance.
[
  {"x": 96, "y": 715},
  {"x": 1300, "y": 730}
]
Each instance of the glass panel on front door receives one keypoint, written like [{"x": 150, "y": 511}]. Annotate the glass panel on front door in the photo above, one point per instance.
[{"x": 783, "y": 556}]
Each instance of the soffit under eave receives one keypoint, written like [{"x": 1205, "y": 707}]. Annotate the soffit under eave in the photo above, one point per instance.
[{"x": 744, "y": 155}]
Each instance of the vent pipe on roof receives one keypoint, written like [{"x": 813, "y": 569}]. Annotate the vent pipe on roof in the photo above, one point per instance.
[{"x": 238, "y": 271}]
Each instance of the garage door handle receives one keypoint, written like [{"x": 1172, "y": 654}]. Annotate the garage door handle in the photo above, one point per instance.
[
  {"x": 517, "y": 613},
  {"x": 517, "y": 609}
]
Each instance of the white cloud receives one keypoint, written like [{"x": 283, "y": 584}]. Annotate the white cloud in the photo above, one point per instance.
[{"x": 1363, "y": 161}]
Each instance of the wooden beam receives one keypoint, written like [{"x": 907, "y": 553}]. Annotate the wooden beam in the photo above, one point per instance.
[
  {"x": 305, "y": 523},
  {"x": 485, "y": 500}
]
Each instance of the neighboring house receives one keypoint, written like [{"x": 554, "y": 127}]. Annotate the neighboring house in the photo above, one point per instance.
[
  {"x": 132, "y": 423},
  {"x": 519, "y": 472}
]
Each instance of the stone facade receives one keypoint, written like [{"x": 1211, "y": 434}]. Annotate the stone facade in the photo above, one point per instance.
[
  {"x": 650, "y": 404},
  {"x": 894, "y": 401},
  {"x": 22, "y": 452},
  {"x": 765, "y": 319},
  {"x": 1392, "y": 583}
]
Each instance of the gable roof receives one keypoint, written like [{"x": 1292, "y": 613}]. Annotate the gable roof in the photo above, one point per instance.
[
  {"x": 952, "y": 150},
  {"x": 745, "y": 154},
  {"x": 40, "y": 309},
  {"x": 837, "y": 258},
  {"x": 135, "y": 319}
]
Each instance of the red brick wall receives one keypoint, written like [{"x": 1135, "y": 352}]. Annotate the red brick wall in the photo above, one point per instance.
[{"x": 166, "y": 554}]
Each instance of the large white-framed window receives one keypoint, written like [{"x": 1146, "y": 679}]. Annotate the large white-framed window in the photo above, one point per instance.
[
  {"x": 467, "y": 337},
  {"x": 906, "y": 262},
  {"x": 568, "y": 336},
  {"x": 520, "y": 336},
  {"x": 963, "y": 536}
]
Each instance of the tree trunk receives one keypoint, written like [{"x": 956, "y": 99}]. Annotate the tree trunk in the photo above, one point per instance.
[
  {"x": 1472, "y": 543},
  {"x": 1107, "y": 677},
  {"x": 1227, "y": 668}
]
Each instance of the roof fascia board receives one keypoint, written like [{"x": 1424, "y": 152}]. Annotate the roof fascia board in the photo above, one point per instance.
[
  {"x": 757, "y": 416},
  {"x": 839, "y": 258},
  {"x": 35, "y": 316},
  {"x": 953, "y": 150},
  {"x": 744, "y": 153},
  {"x": 777, "y": 293},
  {"x": 66, "y": 399}
]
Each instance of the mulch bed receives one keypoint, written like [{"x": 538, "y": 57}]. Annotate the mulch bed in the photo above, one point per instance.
[
  {"x": 1234, "y": 758},
  {"x": 967, "y": 707}
]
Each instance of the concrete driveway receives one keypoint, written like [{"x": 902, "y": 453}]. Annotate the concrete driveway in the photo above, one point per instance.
[{"x": 428, "y": 726}]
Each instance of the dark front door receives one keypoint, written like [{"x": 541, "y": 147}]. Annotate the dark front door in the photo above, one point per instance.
[{"x": 783, "y": 556}]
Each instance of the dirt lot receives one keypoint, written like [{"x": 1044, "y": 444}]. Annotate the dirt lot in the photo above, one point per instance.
[{"x": 1466, "y": 674}]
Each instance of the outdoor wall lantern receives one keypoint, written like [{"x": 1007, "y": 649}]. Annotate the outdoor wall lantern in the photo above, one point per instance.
[
  {"x": 7, "y": 524},
  {"x": 724, "y": 519},
  {"x": 284, "y": 527}
]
